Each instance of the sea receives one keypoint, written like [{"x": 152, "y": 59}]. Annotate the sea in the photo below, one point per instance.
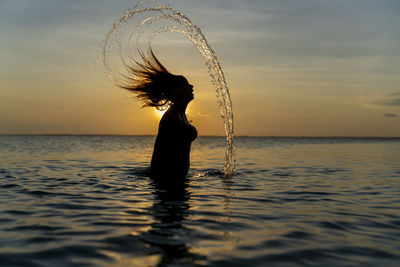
[{"x": 69, "y": 200}]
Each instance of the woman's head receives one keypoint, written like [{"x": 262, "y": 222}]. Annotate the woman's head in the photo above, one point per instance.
[{"x": 154, "y": 85}]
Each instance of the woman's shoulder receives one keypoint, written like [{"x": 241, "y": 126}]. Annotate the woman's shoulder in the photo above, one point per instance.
[{"x": 169, "y": 119}]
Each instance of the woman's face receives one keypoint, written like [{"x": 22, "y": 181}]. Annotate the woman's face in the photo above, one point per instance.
[{"x": 182, "y": 90}]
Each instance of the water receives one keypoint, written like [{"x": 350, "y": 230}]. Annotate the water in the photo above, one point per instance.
[
  {"x": 142, "y": 24},
  {"x": 86, "y": 201}
]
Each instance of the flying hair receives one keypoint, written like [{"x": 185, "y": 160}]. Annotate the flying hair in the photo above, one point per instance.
[{"x": 150, "y": 80}]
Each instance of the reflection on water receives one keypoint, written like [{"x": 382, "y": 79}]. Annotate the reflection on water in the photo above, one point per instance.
[
  {"x": 167, "y": 231},
  {"x": 86, "y": 201}
]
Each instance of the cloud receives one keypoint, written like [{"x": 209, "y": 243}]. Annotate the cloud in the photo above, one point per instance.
[
  {"x": 374, "y": 101},
  {"x": 199, "y": 114},
  {"x": 390, "y": 100},
  {"x": 390, "y": 115}
]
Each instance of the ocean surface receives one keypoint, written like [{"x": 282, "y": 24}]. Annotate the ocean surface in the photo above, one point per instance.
[{"x": 86, "y": 201}]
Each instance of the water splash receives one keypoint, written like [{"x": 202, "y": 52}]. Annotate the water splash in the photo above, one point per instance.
[{"x": 151, "y": 19}]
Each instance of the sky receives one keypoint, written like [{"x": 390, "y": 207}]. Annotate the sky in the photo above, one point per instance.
[{"x": 293, "y": 68}]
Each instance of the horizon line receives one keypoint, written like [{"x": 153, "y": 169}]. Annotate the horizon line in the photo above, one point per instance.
[{"x": 235, "y": 136}]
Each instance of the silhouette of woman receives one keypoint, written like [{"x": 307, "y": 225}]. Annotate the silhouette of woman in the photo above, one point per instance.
[{"x": 156, "y": 87}]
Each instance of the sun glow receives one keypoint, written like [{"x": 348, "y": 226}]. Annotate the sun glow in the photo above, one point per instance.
[{"x": 159, "y": 113}]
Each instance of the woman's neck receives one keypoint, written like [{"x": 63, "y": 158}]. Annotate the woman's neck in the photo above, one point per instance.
[{"x": 180, "y": 107}]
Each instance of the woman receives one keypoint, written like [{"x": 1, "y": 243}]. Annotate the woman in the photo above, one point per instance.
[{"x": 158, "y": 88}]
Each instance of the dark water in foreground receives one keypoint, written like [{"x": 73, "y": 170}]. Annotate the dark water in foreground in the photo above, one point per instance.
[{"x": 85, "y": 201}]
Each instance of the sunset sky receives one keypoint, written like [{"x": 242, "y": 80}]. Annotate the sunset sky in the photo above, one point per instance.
[{"x": 293, "y": 68}]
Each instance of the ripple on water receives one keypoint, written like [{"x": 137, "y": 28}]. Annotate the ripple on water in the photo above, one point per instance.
[
  {"x": 67, "y": 209},
  {"x": 339, "y": 225},
  {"x": 19, "y": 212},
  {"x": 37, "y": 227},
  {"x": 59, "y": 256}
]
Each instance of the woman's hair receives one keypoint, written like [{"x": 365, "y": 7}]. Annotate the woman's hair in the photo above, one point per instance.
[{"x": 151, "y": 81}]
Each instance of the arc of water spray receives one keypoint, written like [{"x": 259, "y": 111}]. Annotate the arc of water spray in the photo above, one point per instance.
[{"x": 183, "y": 25}]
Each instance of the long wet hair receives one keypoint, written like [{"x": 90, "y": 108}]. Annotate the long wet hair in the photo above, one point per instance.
[{"x": 151, "y": 81}]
